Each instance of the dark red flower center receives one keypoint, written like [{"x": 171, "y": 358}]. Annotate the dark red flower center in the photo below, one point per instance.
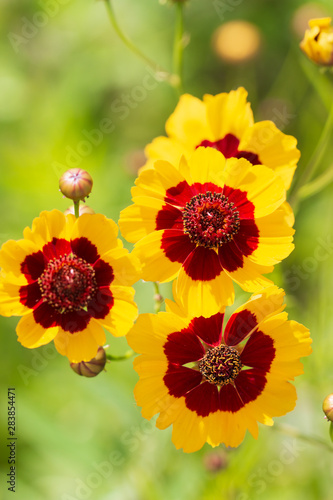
[
  {"x": 68, "y": 283},
  {"x": 210, "y": 219},
  {"x": 220, "y": 365},
  {"x": 228, "y": 146}
]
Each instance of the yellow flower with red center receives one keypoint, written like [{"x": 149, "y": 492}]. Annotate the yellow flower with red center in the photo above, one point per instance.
[
  {"x": 225, "y": 122},
  {"x": 213, "y": 385},
  {"x": 68, "y": 278},
  {"x": 209, "y": 221},
  {"x": 317, "y": 43}
]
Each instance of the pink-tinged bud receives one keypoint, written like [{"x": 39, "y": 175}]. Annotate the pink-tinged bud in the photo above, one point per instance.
[
  {"x": 83, "y": 209},
  {"x": 215, "y": 461},
  {"x": 93, "y": 367},
  {"x": 76, "y": 184},
  {"x": 328, "y": 407}
]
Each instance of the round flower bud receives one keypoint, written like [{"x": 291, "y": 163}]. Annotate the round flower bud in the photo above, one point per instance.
[
  {"x": 83, "y": 209},
  {"x": 93, "y": 367},
  {"x": 76, "y": 184},
  {"x": 328, "y": 407}
]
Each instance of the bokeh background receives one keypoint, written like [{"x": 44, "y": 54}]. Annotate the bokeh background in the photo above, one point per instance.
[{"x": 63, "y": 73}]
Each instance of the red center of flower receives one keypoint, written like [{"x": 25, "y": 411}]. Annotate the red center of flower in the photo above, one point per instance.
[
  {"x": 228, "y": 146},
  {"x": 220, "y": 365},
  {"x": 210, "y": 219},
  {"x": 68, "y": 283}
]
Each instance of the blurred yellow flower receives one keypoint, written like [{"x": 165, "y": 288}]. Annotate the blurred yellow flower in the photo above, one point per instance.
[
  {"x": 317, "y": 43},
  {"x": 237, "y": 41}
]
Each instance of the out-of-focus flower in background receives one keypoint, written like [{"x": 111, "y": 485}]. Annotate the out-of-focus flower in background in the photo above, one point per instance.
[
  {"x": 237, "y": 41},
  {"x": 225, "y": 122},
  {"x": 317, "y": 43}
]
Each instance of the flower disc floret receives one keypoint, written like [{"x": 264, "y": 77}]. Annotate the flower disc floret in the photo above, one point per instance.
[
  {"x": 210, "y": 219},
  {"x": 220, "y": 365},
  {"x": 68, "y": 283}
]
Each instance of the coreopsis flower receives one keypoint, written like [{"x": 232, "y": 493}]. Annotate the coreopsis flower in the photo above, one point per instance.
[
  {"x": 225, "y": 122},
  {"x": 210, "y": 221},
  {"x": 213, "y": 385},
  {"x": 68, "y": 278},
  {"x": 317, "y": 43}
]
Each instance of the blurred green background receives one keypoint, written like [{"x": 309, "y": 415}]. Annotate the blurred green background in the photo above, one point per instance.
[{"x": 63, "y": 74}]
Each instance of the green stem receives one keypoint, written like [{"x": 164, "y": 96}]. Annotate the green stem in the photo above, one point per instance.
[
  {"x": 315, "y": 159},
  {"x": 159, "y": 72},
  {"x": 127, "y": 355},
  {"x": 321, "y": 182},
  {"x": 178, "y": 47},
  {"x": 77, "y": 209},
  {"x": 293, "y": 432},
  {"x": 158, "y": 299}
]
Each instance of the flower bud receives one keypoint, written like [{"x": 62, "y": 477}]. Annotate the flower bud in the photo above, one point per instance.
[
  {"x": 76, "y": 184},
  {"x": 215, "y": 461},
  {"x": 93, "y": 367},
  {"x": 328, "y": 407},
  {"x": 83, "y": 209},
  {"x": 317, "y": 43}
]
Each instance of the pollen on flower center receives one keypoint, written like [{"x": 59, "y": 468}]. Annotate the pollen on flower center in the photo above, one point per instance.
[
  {"x": 210, "y": 219},
  {"x": 220, "y": 365},
  {"x": 68, "y": 283}
]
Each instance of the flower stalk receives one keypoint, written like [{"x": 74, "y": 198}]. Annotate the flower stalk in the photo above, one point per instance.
[{"x": 160, "y": 73}]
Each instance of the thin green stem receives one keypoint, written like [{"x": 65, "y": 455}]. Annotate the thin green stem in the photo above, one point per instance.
[
  {"x": 158, "y": 299},
  {"x": 77, "y": 208},
  {"x": 315, "y": 159},
  {"x": 159, "y": 72},
  {"x": 321, "y": 182},
  {"x": 127, "y": 355},
  {"x": 293, "y": 432},
  {"x": 178, "y": 47}
]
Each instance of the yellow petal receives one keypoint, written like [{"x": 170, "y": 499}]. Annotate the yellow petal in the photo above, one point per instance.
[
  {"x": 31, "y": 334},
  {"x": 13, "y": 253},
  {"x": 49, "y": 225},
  {"x": 80, "y": 346},
  {"x": 229, "y": 113},
  {"x": 275, "y": 149},
  {"x": 99, "y": 230},
  {"x": 123, "y": 313},
  {"x": 188, "y": 123},
  {"x": 10, "y": 304}
]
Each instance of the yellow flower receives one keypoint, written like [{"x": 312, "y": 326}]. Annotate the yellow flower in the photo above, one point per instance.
[
  {"x": 208, "y": 221},
  {"x": 225, "y": 122},
  {"x": 318, "y": 41},
  {"x": 68, "y": 278},
  {"x": 213, "y": 385}
]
